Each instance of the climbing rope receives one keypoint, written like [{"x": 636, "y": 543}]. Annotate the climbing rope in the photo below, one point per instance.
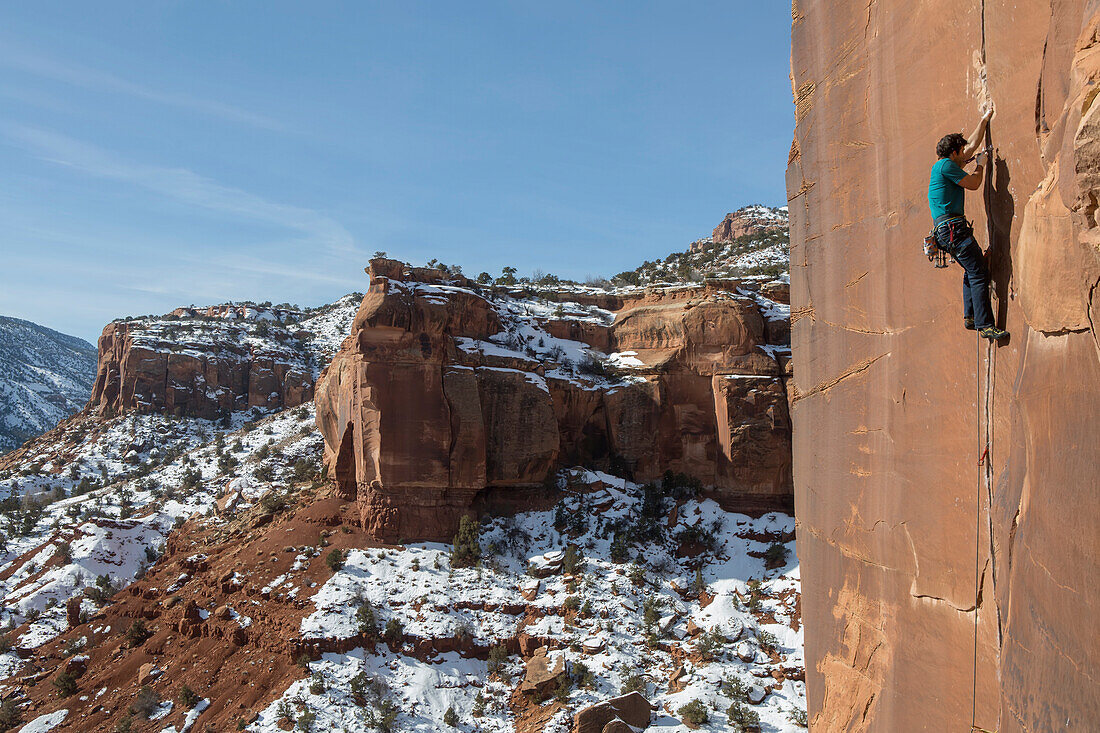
[
  {"x": 985, "y": 460},
  {"x": 977, "y": 529}
]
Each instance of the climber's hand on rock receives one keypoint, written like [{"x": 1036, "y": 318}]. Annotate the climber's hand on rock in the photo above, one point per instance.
[
  {"x": 988, "y": 113},
  {"x": 981, "y": 158}
]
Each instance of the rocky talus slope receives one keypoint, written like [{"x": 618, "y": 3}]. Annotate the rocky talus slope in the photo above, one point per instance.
[
  {"x": 889, "y": 424},
  {"x": 45, "y": 376},
  {"x": 449, "y": 397}
]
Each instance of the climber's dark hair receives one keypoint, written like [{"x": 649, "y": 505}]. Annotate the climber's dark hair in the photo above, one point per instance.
[{"x": 949, "y": 144}]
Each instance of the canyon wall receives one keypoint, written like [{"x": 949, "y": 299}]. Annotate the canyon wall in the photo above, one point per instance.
[
  {"x": 889, "y": 422},
  {"x": 201, "y": 369},
  {"x": 448, "y": 399}
]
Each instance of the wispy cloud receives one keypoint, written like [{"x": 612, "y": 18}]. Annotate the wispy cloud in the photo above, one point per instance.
[
  {"x": 13, "y": 57},
  {"x": 185, "y": 186}
]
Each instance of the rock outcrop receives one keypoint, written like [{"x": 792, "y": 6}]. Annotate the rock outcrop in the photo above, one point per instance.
[
  {"x": 447, "y": 398},
  {"x": 631, "y": 710},
  {"x": 889, "y": 423},
  {"x": 207, "y": 362},
  {"x": 138, "y": 373},
  {"x": 747, "y": 220}
]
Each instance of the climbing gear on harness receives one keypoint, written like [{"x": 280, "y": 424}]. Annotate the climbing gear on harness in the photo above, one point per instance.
[
  {"x": 932, "y": 251},
  {"x": 968, "y": 324},
  {"x": 947, "y": 233},
  {"x": 993, "y": 333}
]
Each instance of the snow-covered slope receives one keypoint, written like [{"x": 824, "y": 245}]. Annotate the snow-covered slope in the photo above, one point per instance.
[
  {"x": 45, "y": 376},
  {"x": 764, "y": 249}
]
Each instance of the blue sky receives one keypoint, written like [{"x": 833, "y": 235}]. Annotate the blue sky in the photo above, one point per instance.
[{"x": 161, "y": 153}]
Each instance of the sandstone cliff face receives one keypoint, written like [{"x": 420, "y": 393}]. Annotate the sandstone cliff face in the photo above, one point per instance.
[
  {"x": 884, "y": 403},
  {"x": 446, "y": 400},
  {"x": 207, "y": 362}
]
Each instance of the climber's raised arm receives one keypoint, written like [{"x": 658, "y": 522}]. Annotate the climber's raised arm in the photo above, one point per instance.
[{"x": 975, "y": 140}]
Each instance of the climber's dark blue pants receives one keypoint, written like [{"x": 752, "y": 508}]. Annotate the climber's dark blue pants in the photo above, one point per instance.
[{"x": 957, "y": 239}]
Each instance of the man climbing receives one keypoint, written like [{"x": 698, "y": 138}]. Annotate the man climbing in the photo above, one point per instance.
[{"x": 954, "y": 234}]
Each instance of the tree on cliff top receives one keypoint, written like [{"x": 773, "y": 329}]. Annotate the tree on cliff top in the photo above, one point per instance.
[{"x": 467, "y": 549}]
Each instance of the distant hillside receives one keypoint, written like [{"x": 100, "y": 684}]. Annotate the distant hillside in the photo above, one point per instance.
[
  {"x": 45, "y": 376},
  {"x": 753, "y": 240}
]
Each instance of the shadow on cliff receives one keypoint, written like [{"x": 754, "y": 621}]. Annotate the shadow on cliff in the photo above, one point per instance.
[{"x": 1001, "y": 210}]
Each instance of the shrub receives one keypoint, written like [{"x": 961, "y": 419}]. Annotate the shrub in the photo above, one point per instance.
[
  {"x": 366, "y": 620},
  {"x": 694, "y": 713},
  {"x": 620, "y": 548},
  {"x": 125, "y": 725},
  {"x": 316, "y": 683},
  {"x": 733, "y": 687},
  {"x": 633, "y": 683},
  {"x": 145, "y": 702},
  {"x": 680, "y": 485},
  {"x": 272, "y": 502},
  {"x": 498, "y": 658},
  {"x": 303, "y": 470},
  {"x": 584, "y": 676},
  {"x": 64, "y": 552},
  {"x": 306, "y": 720},
  {"x": 776, "y": 555},
  {"x": 9, "y": 715},
  {"x": 572, "y": 603},
  {"x": 65, "y": 683},
  {"x": 187, "y": 697},
  {"x": 651, "y": 610},
  {"x": 137, "y": 633},
  {"x": 450, "y": 718},
  {"x": 565, "y": 686},
  {"x": 768, "y": 641},
  {"x": 394, "y": 632},
  {"x": 335, "y": 559},
  {"x": 573, "y": 561},
  {"x": 741, "y": 717},
  {"x": 798, "y": 717},
  {"x": 710, "y": 644},
  {"x": 467, "y": 549}
]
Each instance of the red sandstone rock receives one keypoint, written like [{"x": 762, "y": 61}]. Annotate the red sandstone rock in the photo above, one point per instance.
[
  {"x": 748, "y": 220},
  {"x": 884, "y": 400},
  {"x": 72, "y": 611},
  {"x": 420, "y": 432},
  {"x": 541, "y": 676},
  {"x": 631, "y": 709},
  {"x": 206, "y": 381}
]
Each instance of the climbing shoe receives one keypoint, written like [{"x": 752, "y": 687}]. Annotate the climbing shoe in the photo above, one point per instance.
[
  {"x": 968, "y": 324},
  {"x": 993, "y": 333}
]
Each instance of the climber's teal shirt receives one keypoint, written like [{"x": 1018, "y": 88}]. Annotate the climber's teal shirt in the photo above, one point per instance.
[{"x": 945, "y": 195}]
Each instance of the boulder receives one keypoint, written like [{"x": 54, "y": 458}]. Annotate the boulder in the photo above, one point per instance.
[
  {"x": 542, "y": 674},
  {"x": 147, "y": 673},
  {"x": 631, "y": 709},
  {"x": 72, "y": 611}
]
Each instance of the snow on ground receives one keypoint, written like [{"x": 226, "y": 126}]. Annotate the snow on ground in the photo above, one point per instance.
[
  {"x": 45, "y": 723},
  {"x": 130, "y": 480},
  {"x": 616, "y": 608}
]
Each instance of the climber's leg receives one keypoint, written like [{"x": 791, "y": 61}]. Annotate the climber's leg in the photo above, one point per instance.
[{"x": 975, "y": 282}]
